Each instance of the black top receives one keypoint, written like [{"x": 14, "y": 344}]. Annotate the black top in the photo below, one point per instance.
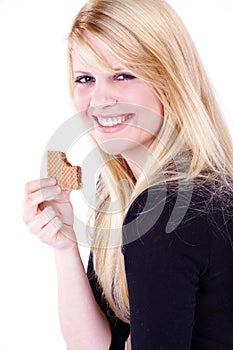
[{"x": 179, "y": 269}]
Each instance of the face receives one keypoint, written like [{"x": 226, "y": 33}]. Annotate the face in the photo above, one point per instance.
[{"x": 123, "y": 110}]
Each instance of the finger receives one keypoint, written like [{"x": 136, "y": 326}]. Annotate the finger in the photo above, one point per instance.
[
  {"x": 31, "y": 205},
  {"x": 48, "y": 233},
  {"x": 67, "y": 194},
  {"x": 44, "y": 194},
  {"x": 41, "y": 220},
  {"x": 36, "y": 185},
  {"x": 63, "y": 196}
]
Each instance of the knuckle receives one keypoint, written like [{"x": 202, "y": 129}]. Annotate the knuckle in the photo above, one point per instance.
[
  {"x": 27, "y": 203},
  {"x": 25, "y": 220},
  {"x": 32, "y": 227},
  {"x": 33, "y": 230},
  {"x": 32, "y": 196},
  {"x": 41, "y": 236},
  {"x": 28, "y": 187}
]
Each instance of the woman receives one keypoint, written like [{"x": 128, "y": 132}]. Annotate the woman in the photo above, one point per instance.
[{"x": 161, "y": 262}]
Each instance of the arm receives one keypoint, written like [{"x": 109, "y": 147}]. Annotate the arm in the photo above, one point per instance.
[
  {"x": 49, "y": 215},
  {"x": 128, "y": 344},
  {"x": 119, "y": 329},
  {"x": 83, "y": 324}
]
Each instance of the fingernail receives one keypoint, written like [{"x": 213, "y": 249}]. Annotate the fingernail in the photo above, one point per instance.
[
  {"x": 57, "y": 189},
  {"x": 52, "y": 181},
  {"x": 57, "y": 222},
  {"x": 50, "y": 212}
]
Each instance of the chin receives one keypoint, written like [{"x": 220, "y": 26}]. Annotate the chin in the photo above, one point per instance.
[
  {"x": 116, "y": 147},
  {"x": 111, "y": 151}
]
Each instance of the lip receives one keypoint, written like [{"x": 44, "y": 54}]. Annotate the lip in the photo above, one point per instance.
[{"x": 114, "y": 128}]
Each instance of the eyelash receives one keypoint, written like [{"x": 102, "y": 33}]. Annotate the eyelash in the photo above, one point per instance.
[
  {"x": 89, "y": 79},
  {"x": 127, "y": 76},
  {"x": 78, "y": 80}
]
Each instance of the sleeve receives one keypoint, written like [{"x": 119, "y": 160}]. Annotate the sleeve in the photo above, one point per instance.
[
  {"x": 162, "y": 273},
  {"x": 120, "y": 330}
]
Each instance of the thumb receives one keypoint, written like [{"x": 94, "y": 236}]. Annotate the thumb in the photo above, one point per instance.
[{"x": 66, "y": 194}]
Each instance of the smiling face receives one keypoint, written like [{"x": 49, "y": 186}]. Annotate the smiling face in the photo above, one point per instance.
[{"x": 123, "y": 109}]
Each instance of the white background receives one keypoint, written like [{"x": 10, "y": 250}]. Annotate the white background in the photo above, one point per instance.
[{"x": 34, "y": 101}]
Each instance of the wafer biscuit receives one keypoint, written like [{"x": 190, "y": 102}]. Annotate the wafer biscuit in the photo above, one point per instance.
[{"x": 68, "y": 177}]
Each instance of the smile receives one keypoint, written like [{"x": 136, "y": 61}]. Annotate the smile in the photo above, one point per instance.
[{"x": 113, "y": 120}]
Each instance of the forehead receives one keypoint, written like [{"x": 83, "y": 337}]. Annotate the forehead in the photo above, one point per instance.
[{"x": 95, "y": 55}]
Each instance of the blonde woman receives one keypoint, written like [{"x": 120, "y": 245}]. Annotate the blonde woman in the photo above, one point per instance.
[{"x": 161, "y": 263}]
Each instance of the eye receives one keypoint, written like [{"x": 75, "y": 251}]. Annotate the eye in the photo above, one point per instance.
[
  {"x": 84, "y": 79},
  {"x": 124, "y": 76}
]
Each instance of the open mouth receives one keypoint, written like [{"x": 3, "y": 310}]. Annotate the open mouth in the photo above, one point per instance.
[{"x": 112, "y": 120}]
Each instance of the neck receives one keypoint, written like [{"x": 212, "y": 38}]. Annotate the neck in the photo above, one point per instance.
[{"x": 136, "y": 159}]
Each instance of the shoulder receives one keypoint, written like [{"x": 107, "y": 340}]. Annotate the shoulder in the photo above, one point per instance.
[{"x": 172, "y": 209}]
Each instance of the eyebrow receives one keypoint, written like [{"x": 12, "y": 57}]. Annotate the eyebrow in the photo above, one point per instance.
[
  {"x": 80, "y": 72},
  {"x": 117, "y": 69}
]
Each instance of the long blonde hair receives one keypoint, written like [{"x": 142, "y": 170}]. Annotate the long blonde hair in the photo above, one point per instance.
[{"x": 148, "y": 38}]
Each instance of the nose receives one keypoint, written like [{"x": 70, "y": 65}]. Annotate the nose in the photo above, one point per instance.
[{"x": 103, "y": 96}]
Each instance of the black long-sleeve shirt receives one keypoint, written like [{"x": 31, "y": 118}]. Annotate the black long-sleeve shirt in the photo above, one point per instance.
[{"x": 180, "y": 281}]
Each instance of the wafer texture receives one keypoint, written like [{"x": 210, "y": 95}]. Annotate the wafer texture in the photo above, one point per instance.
[{"x": 68, "y": 177}]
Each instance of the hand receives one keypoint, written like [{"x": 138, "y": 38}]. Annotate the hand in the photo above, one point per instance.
[{"x": 49, "y": 214}]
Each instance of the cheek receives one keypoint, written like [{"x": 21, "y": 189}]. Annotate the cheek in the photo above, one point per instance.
[
  {"x": 143, "y": 96},
  {"x": 150, "y": 100},
  {"x": 153, "y": 102},
  {"x": 81, "y": 100}
]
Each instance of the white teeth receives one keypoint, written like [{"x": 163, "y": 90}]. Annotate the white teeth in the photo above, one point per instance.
[{"x": 112, "y": 121}]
